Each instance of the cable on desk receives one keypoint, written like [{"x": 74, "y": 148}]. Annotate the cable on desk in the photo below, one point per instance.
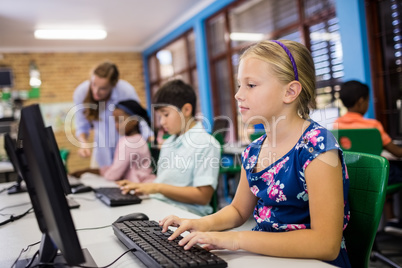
[
  {"x": 22, "y": 251},
  {"x": 13, "y": 218},
  {"x": 83, "y": 266},
  {"x": 32, "y": 259},
  {"x": 93, "y": 228},
  {"x": 13, "y": 206}
]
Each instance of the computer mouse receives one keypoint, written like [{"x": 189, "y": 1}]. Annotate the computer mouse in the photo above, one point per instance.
[
  {"x": 136, "y": 216},
  {"x": 81, "y": 189}
]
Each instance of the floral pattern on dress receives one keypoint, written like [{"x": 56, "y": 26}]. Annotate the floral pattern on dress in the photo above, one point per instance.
[
  {"x": 281, "y": 189},
  {"x": 303, "y": 194},
  {"x": 275, "y": 192},
  {"x": 289, "y": 227},
  {"x": 268, "y": 176},
  {"x": 265, "y": 214}
]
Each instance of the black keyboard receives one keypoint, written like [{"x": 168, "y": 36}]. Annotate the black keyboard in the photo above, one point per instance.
[
  {"x": 112, "y": 197},
  {"x": 155, "y": 250}
]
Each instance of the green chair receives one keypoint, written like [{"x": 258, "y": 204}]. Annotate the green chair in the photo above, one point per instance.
[
  {"x": 64, "y": 153},
  {"x": 228, "y": 168},
  {"x": 154, "y": 150},
  {"x": 363, "y": 140},
  {"x": 368, "y": 178},
  {"x": 256, "y": 135},
  {"x": 369, "y": 141}
]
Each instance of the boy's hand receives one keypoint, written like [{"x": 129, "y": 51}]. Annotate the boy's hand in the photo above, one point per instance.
[{"x": 138, "y": 188}]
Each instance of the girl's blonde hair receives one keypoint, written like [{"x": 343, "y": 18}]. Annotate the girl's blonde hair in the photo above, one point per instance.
[{"x": 275, "y": 55}]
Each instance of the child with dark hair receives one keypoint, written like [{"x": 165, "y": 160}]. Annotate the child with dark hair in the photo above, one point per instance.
[
  {"x": 176, "y": 93},
  {"x": 188, "y": 165},
  {"x": 132, "y": 158},
  {"x": 355, "y": 97}
]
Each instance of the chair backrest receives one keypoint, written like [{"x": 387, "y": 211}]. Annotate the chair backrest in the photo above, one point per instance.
[
  {"x": 64, "y": 153},
  {"x": 368, "y": 178},
  {"x": 220, "y": 129},
  {"x": 364, "y": 140},
  {"x": 154, "y": 150}
]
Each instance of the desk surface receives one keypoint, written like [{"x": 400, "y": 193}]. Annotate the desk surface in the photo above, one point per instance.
[
  {"x": 102, "y": 244},
  {"x": 6, "y": 166}
]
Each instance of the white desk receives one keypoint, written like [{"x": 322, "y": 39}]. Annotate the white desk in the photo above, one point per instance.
[
  {"x": 102, "y": 243},
  {"x": 6, "y": 167}
]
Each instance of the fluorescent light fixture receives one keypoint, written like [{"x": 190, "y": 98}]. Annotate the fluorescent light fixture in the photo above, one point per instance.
[
  {"x": 246, "y": 36},
  {"x": 65, "y": 34}
]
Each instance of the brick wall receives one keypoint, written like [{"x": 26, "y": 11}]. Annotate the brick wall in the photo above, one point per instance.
[{"x": 62, "y": 72}]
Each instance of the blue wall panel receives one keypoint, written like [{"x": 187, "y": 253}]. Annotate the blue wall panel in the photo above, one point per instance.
[{"x": 353, "y": 30}]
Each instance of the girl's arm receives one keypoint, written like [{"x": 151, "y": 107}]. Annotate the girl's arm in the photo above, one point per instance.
[
  {"x": 83, "y": 139},
  {"x": 193, "y": 195},
  {"x": 121, "y": 163},
  {"x": 394, "y": 149},
  {"x": 325, "y": 187},
  {"x": 228, "y": 217}
]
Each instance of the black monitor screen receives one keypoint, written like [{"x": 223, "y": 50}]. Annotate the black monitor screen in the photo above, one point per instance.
[
  {"x": 54, "y": 149},
  {"x": 6, "y": 77},
  {"x": 10, "y": 147},
  {"x": 46, "y": 192}
]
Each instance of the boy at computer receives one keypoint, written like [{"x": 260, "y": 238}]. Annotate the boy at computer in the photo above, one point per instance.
[
  {"x": 355, "y": 97},
  {"x": 188, "y": 165}
]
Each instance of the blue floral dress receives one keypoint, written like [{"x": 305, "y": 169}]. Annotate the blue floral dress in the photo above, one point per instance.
[{"x": 283, "y": 201}]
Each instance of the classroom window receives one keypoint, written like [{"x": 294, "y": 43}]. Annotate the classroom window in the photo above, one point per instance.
[
  {"x": 176, "y": 60},
  {"x": 384, "y": 28},
  {"x": 311, "y": 22}
]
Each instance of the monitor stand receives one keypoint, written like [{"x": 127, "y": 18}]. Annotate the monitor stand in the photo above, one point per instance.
[
  {"x": 89, "y": 261},
  {"x": 17, "y": 188},
  {"x": 50, "y": 254}
]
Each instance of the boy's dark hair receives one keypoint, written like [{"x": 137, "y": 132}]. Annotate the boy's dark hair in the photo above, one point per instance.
[
  {"x": 352, "y": 91},
  {"x": 132, "y": 107},
  {"x": 176, "y": 93}
]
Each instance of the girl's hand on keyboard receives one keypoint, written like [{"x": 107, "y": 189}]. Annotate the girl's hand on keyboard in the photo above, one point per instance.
[
  {"x": 182, "y": 225},
  {"x": 211, "y": 240}
]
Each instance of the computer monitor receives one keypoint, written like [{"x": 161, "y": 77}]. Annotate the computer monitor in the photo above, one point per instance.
[
  {"x": 6, "y": 78},
  {"x": 54, "y": 150},
  {"x": 10, "y": 147},
  {"x": 39, "y": 170}
]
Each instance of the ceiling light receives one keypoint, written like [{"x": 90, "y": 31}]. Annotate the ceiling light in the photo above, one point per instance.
[
  {"x": 71, "y": 34},
  {"x": 246, "y": 36}
]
